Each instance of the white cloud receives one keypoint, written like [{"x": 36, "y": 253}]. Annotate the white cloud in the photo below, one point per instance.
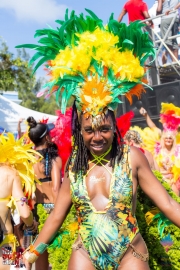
[{"x": 41, "y": 11}]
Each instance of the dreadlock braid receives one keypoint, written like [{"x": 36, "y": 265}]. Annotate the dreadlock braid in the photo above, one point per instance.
[
  {"x": 117, "y": 144},
  {"x": 81, "y": 157}
]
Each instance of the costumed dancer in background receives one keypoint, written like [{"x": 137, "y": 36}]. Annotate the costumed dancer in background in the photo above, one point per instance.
[
  {"x": 16, "y": 170},
  {"x": 61, "y": 136},
  {"x": 48, "y": 172},
  {"x": 165, "y": 151},
  {"x": 96, "y": 64},
  {"x": 133, "y": 138}
]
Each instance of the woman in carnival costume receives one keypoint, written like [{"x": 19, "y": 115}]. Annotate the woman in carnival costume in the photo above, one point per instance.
[
  {"x": 16, "y": 170},
  {"x": 48, "y": 172},
  {"x": 133, "y": 138},
  {"x": 164, "y": 144},
  {"x": 96, "y": 64}
]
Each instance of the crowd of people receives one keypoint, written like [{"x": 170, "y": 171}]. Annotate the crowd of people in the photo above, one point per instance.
[{"x": 104, "y": 171}]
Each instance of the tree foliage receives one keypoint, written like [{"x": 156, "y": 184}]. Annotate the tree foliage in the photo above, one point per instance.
[{"x": 16, "y": 75}]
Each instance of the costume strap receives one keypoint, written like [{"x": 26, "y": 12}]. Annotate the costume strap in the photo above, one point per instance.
[
  {"x": 5, "y": 199},
  {"x": 99, "y": 159}
]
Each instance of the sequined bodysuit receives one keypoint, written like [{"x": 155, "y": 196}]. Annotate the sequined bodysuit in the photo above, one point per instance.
[{"x": 106, "y": 235}]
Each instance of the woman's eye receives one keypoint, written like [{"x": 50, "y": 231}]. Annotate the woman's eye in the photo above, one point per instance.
[
  {"x": 105, "y": 129},
  {"x": 89, "y": 130}
]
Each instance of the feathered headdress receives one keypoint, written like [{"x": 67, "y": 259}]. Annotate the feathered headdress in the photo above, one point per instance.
[
  {"x": 95, "y": 64},
  {"x": 170, "y": 117},
  {"x": 21, "y": 157}
]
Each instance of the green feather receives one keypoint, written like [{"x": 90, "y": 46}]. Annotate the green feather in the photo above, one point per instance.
[
  {"x": 66, "y": 15},
  {"x": 41, "y": 62},
  {"x": 93, "y": 15},
  {"x": 63, "y": 27},
  {"x": 28, "y": 46},
  {"x": 111, "y": 18},
  {"x": 35, "y": 57},
  {"x": 59, "y": 21}
]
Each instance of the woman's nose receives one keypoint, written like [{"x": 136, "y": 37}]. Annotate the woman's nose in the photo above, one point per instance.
[{"x": 97, "y": 135}]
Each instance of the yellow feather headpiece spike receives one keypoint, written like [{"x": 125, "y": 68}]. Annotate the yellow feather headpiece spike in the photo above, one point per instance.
[
  {"x": 21, "y": 157},
  {"x": 165, "y": 107}
]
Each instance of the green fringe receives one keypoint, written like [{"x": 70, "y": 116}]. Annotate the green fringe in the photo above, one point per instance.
[{"x": 159, "y": 258}]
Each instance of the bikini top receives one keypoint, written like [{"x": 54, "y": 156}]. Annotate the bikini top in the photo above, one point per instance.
[
  {"x": 106, "y": 234},
  {"x": 5, "y": 199},
  {"x": 45, "y": 179}
]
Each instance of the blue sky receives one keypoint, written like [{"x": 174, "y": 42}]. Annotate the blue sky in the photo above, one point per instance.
[{"x": 20, "y": 18}]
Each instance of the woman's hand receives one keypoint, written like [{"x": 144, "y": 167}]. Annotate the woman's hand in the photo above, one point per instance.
[
  {"x": 143, "y": 111},
  {"x": 27, "y": 264}
]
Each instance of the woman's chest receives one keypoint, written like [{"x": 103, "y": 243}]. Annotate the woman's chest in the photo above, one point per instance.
[{"x": 101, "y": 188}]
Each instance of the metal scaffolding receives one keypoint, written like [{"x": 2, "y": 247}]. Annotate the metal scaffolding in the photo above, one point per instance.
[{"x": 157, "y": 39}]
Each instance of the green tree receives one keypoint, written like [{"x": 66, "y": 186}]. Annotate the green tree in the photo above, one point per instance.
[{"x": 16, "y": 75}]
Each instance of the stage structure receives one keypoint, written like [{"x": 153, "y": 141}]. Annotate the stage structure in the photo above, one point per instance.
[{"x": 164, "y": 80}]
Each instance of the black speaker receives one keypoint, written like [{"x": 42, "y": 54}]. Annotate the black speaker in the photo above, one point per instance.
[
  {"x": 141, "y": 122},
  {"x": 151, "y": 101},
  {"x": 147, "y": 101},
  {"x": 168, "y": 93}
]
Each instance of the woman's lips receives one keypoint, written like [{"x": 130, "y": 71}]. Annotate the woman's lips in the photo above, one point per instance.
[{"x": 97, "y": 147}]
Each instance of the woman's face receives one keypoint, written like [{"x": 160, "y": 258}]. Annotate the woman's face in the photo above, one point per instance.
[
  {"x": 97, "y": 140},
  {"x": 168, "y": 141}
]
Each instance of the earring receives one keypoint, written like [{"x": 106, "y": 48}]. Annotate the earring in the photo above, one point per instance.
[{"x": 81, "y": 132}]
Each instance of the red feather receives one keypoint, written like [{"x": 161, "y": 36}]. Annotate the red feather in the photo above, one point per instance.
[
  {"x": 124, "y": 122},
  {"x": 170, "y": 121},
  {"x": 61, "y": 135}
]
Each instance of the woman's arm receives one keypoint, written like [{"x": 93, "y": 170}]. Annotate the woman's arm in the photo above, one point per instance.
[
  {"x": 149, "y": 122},
  {"x": 58, "y": 215},
  {"x": 19, "y": 128},
  {"x": 56, "y": 177},
  {"x": 52, "y": 224},
  {"x": 156, "y": 167},
  {"x": 153, "y": 188},
  {"x": 18, "y": 195}
]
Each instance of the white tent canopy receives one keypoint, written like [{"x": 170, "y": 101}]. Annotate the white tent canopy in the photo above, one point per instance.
[{"x": 10, "y": 113}]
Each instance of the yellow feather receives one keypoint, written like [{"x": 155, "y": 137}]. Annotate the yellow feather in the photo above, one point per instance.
[
  {"x": 21, "y": 157},
  {"x": 149, "y": 137},
  {"x": 150, "y": 214}
]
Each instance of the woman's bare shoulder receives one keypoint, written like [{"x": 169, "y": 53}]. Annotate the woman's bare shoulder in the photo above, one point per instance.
[
  {"x": 137, "y": 157},
  {"x": 8, "y": 170},
  {"x": 58, "y": 160}
]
